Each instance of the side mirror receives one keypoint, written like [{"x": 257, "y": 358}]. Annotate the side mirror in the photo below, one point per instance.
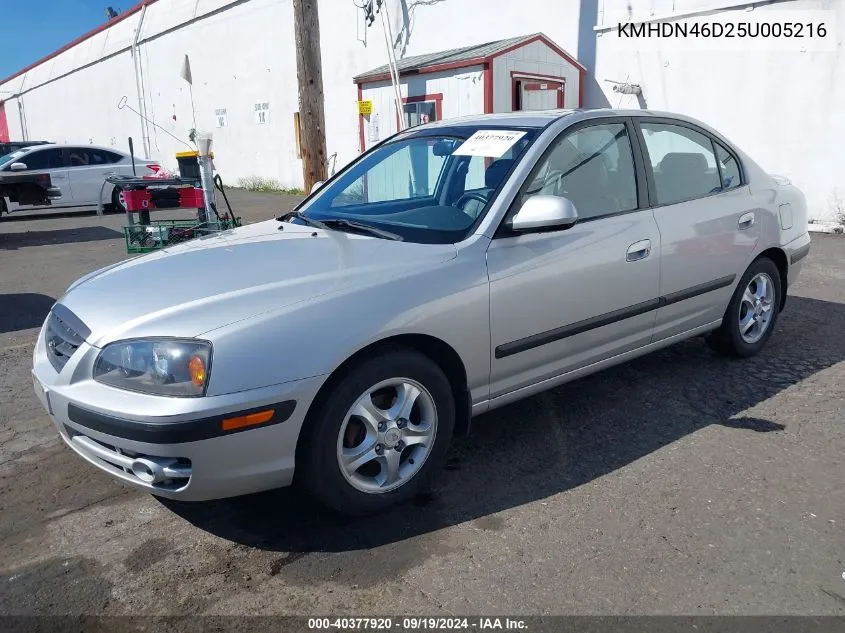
[
  {"x": 18, "y": 167},
  {"x": 545, "y": 212},
  {"x": 317, "y": 185}
]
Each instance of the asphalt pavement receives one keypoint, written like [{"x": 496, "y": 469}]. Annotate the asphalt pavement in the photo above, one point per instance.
[{"x": 680, "y": 483}]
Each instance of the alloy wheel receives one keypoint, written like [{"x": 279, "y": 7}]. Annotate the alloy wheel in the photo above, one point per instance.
[
  {"x": 755, "y": 309},
  {"x": 387, "y": 435}
]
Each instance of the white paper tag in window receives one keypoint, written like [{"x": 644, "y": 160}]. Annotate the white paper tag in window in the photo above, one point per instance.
[{"x": 488, "y": 143}]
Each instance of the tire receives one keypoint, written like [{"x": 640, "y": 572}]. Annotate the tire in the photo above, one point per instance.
[
  {"x": 729, "y": 339},
  {"x": 4, "y": 210},
  {"x": 116, "y": 205},
  {"x": 333, "y": 433}
]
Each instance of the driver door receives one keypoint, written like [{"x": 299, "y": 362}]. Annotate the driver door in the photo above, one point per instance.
[{"x": 564, "y": 299}]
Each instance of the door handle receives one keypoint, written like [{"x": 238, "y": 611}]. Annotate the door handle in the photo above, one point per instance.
[
  {"x": 109, "y": 173},
  {"x": 746, "y": 220},
  {"x": 638, "y": 250}
]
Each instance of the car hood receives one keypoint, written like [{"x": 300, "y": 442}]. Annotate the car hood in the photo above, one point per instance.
[{"x": 204, "y": 284}]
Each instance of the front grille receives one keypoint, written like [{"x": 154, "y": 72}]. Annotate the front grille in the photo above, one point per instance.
[{"x": 62, "y": 341}]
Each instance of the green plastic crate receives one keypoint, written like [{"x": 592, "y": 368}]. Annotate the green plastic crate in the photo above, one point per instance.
[{"x": 145, "y": 238}]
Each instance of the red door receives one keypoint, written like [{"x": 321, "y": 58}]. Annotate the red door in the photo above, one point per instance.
[{"x": 4, "y": 124}]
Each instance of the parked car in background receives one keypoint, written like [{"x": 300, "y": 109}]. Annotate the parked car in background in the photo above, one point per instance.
[
  {"x": 79, "y": 171},
  {"x": 456, "y": 267}
]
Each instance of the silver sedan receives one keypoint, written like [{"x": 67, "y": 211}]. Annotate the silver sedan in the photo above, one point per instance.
[{"x": 454, "y": 268}]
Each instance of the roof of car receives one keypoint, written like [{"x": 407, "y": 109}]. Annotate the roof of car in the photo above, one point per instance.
[
  {"x": 24, "y": 143},
  {"x": 80, "y": 145},
  {"x": 541, "y": 118},
  {"x": 537, "y": 119}
]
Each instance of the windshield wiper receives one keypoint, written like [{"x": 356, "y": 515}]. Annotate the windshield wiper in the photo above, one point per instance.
[
  {"x": 304, "y": 218},
  {"x": 337, "y": 223},
  {"x": 363, "y": 228}
]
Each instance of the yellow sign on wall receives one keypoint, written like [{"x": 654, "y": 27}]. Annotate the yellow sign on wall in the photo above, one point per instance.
[{"x": 365, "y": 107}]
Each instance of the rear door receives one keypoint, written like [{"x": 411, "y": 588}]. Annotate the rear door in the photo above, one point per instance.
[
  {"x": 88, "y": 168},
  {"x": 47, "y": 160},
  {"x": 707, "y": 222}
]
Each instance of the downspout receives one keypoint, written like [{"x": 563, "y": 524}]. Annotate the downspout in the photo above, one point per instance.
[
  {"x": 21, "y": 113},
  {"x": 142, "y": 109},
  {"x": 24, "y": 134}
]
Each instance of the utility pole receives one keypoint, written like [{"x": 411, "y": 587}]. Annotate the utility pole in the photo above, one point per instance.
[{"x": 309, "y": 73}]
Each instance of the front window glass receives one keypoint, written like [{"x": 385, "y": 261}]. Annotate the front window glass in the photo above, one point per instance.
[
  {"x": 42, "y": 159},
  {"x": 593, "y": 167},
  {"x": 420, "y": 186},
  {"x": 10, "y": 158}
]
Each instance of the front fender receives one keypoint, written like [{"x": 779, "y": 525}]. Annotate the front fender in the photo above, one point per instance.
[{"x": 449, "y": 301}]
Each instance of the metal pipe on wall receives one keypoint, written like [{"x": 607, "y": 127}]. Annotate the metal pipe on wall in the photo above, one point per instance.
[
  {"x": 391, "y": 64},
  {"x": 24, "y": 132},
  {"x": 142, "y": 106}
]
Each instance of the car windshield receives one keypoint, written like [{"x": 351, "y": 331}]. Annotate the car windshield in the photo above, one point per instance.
[{"x": 427, "y": 186}]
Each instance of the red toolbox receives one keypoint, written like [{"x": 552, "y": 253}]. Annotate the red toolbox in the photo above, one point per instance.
[{"x": 153, "y": 198}]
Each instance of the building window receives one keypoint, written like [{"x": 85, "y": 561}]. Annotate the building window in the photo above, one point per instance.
[{"x": 420, "y": 113}]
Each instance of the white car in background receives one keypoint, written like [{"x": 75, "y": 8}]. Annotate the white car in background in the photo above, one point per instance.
[{"x": 77, "y": 170}]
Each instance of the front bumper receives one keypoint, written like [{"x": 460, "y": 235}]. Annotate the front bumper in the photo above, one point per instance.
[{"x": 174, "y": 447}]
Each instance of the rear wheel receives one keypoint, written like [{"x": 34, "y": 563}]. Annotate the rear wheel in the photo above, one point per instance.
[
  {"x": 116, "y": 203},
  {"x": 379, "y": 435},
  {"x": 752, "y": 312}
]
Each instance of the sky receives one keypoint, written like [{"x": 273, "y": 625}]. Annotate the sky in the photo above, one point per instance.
[{"x": 33, "y": 29}]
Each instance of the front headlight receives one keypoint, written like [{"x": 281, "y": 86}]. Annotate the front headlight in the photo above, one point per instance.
[{"x": 164, "y": 367}]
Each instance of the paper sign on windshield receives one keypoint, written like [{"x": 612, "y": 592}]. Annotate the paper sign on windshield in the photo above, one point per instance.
[{"x": 488, "y": 143}]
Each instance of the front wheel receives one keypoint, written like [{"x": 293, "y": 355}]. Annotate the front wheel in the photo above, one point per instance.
[
  {"x": 379, "y": 435},
  {"x": 752, "y": 312}
]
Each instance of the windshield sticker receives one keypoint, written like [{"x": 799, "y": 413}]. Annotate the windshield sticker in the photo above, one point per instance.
[{"x": 489, "y": 143}]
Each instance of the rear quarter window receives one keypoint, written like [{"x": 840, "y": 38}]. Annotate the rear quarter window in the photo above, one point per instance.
[{"x": 731, "y": 176}]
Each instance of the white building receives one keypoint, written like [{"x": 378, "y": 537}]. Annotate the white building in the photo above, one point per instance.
[
  {"x": 780, "y": 104},
  {"x": 780, "y": 99}
]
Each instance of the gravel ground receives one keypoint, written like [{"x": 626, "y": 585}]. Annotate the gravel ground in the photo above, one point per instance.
[{"x": 680, "y": 483}]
